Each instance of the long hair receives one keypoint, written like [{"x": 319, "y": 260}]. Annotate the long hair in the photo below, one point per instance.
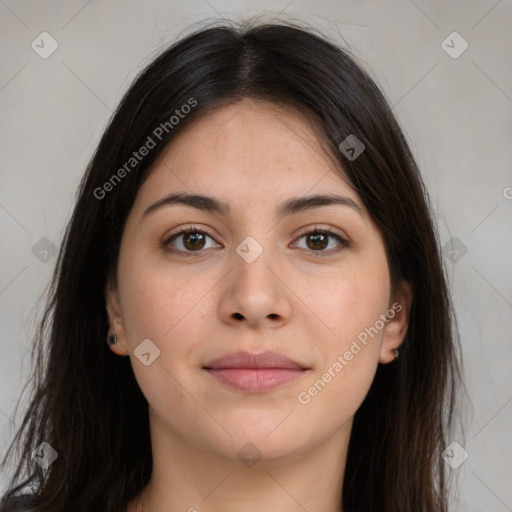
[{"x": 86, "y": 403}]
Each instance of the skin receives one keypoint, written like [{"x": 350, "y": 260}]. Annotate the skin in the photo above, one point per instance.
[{"x": 252, "y": 155}]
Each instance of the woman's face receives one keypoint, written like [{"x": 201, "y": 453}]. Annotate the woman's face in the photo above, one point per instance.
[{"x": 252, "y": 279}]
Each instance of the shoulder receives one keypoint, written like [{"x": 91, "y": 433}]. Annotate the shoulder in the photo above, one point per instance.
[{"x": 23, "y": 503}]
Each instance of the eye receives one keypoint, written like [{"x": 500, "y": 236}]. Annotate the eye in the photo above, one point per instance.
[
  {"x": 193, "y": 240},
  {"x": 318, "y": 239},
  {"x": 188, "y": 240}
]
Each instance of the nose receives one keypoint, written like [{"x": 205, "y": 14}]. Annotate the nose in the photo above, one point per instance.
[{"x": 254, "y": 293}]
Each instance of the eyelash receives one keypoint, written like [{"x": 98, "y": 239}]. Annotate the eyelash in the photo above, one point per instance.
[{"x": 315, "y": 231}]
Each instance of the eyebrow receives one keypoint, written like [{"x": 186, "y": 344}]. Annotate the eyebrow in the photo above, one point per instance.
[{"x": 289, "y": 207}]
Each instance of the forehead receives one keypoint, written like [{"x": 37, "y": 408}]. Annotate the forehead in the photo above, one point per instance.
[{"x": 251, "y": 151}]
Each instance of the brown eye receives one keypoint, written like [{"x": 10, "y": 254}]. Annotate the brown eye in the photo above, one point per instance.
[
  {"x": 193, "y": 240},
  {"x": 188, "y": 241},
  {"x": 319, "y": 239}
]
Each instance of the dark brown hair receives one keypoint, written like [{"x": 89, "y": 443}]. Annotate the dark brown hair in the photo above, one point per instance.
[{"x": 86, "y": 402}]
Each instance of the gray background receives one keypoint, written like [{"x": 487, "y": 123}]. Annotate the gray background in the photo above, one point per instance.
[{"x": 456, "y": 112}]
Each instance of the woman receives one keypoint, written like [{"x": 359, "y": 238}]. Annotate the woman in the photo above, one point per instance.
[{"x": 249, "y": 309}]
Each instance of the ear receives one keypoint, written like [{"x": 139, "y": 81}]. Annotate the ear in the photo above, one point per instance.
[
  {"x": 115, "y": 319},
  {"x": 396, "y": 328}
]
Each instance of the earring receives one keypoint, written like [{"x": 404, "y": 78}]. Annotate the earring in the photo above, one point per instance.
[
  {"x": 112, "y": 339},
  {"x": 397, "y": 352}
]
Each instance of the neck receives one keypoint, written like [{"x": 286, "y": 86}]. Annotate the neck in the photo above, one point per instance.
[{"x": 191, "y": 479}]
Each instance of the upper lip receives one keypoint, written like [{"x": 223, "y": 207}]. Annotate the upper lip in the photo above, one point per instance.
[{"x": 253, "y": 361}]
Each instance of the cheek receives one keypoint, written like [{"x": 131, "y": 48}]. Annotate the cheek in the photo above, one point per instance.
[
  {"x": 349, "y": 356},
  {"x": 166, "y": 309},
  {"x": 345, "y": 304},
  {"x": 144, "y": 303},
  {"x": 350, "y": 360},
  {"x": 156, "y": 301}
]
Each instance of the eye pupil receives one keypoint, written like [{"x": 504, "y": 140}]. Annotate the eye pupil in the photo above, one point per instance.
[
  {"x": 318, "y": 237},
  {"x": 193, "y": 237}
]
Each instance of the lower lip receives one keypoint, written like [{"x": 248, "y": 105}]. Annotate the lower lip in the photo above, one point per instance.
[{"x": 254, "y": 380}]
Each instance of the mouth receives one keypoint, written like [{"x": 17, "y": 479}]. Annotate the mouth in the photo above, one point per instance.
[
  {"x": 255, "y": 380},
  {"x": 254, "y": 372}
]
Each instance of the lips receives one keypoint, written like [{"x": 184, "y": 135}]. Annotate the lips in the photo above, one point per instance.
[
  {"x": 254, "y": 361},
  {"x": 254, "y": 372}
]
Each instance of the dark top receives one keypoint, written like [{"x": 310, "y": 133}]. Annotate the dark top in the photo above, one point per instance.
[{"x": 22, "y": 503}]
